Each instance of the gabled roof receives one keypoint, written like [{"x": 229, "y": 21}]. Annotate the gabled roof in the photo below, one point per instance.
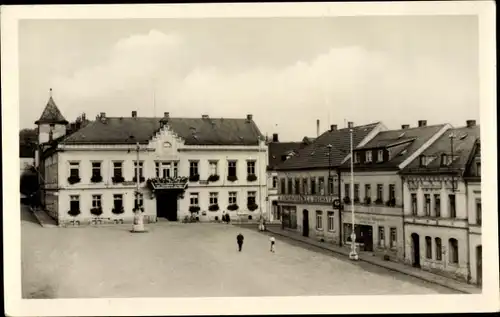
[
  {"x": 471, "y": 169},
  {"x": 51, "y": 114},
  {"x": 277, "y": 149},
  {"x": 316, "y": 155},
  {"x": 195, "y": 131},
  {"x": 398, "y": 145},
  {"x": 463, "y": 146}
]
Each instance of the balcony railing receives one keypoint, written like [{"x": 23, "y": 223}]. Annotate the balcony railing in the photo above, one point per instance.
[{"x": 168, "y": 183}]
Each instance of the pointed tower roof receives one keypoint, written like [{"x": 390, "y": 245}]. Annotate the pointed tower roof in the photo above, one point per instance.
[{"x": 51, "y": 113}]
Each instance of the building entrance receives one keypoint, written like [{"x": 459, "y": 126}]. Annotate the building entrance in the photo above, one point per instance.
[
  {"x": 166, "y": 204},
  {"x": 415, "y": 243}
]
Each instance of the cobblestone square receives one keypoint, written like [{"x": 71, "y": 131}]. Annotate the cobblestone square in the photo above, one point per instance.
[{"x": 189, "y": 260}]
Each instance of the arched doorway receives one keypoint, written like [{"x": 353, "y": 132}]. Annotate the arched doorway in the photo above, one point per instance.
[
  {"x": 415, "y": 239},
  {"x": 305, "y": 223},
  {"x": 479, "y": 265}
]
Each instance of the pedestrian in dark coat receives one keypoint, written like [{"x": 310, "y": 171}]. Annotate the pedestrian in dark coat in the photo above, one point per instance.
[{"x": 239, "y": 239}]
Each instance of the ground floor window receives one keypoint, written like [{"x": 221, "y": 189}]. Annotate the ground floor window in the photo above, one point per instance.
[
  {"x": 428, "y": 247},
  {"x": 381, "y": 236},
  {"x": 214, "y": 198},
  {"x": 74, "y": 204},
  {"x": 348, "y": 231},
  {"x": 96, "y": 201},
  {"x": 438, "y": 249},
  {"x": 331, "y": 221},
  {"x": 233, "y": 198},
  {"x": 453, "y": 250},
  {"x": 193, "y": 199},
  {"x": 393, "y": 238},
  {"x": 118, "y": 203},
  {"x": 289, "y": 215},
  {"x": 319, "y": 220}
]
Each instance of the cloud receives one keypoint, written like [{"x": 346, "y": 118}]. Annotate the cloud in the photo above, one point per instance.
[{"x": 347, "y": 82}]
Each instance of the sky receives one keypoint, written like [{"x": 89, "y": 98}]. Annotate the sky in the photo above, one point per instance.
[{"x": 286, "y": 72}]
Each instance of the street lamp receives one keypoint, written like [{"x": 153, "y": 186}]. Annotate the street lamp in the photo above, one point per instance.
[
  {"x": 330, "y": 181},
  {"x": 353, "y": 255},
  {"x": 138, "y": 217}
]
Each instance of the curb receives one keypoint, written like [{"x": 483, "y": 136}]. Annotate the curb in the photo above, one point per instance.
[{"x": 381, "y": 265}]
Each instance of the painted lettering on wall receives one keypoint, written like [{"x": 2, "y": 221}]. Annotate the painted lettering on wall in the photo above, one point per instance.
[{"x": 307, "y": 199}]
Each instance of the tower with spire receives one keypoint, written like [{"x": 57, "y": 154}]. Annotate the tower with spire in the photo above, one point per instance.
[{"x": 52, "y": 124}]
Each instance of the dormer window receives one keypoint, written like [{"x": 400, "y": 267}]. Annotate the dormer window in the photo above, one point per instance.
[
  {"x": 443, "y": 160},
  {"x": 368, "y": 157},
  {"x": 422, "y": 161},
  {"x": 380, "y": 155},
  {"x": 478, "y": 168},
  {"x": 356, "y": 157}
]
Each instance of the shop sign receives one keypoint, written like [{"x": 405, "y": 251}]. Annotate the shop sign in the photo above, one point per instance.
[
  {"x": 366, "y": 219},
  {"x": 307, "y": 199}
]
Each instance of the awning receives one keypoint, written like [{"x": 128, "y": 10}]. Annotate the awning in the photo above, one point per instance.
[{"x": 179, "y": 183}]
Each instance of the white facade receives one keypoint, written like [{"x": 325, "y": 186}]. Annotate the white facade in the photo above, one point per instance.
[
  {"x": 164, "y": 147},
  {"x": 272, "y": 196},
  {"x": 475, "y": 221}
]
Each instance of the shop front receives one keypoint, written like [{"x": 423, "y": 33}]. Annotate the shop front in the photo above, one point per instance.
[{"x": 289, "y": 217}]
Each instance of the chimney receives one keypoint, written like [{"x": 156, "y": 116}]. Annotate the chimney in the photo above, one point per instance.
[
  {"x": 166, "y": 115},
  {"x": 471, "y": 123},
  {"x": 317, "y": 128},
  {"x": 83, "y": 117},
  {"x": 333, "y": 127},
  {"x": 422, "y": 123},
  {"x": 275, "y": 137},
  {"x": 350, "y": 124},
  {"x": 249, "y": 117},
  {"x": 134, "y": 114},
  {"x": 405, "y": 126},
  {"x": 204, "y": 116},
  {"x": 103, "y": 117}
]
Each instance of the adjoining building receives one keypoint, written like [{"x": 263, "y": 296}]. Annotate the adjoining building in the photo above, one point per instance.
[
  {"x": 203, "y": 167},
  {"x": 378, "y": 189},
  {"x": 441, "y": 201},
  {"x": 308, "y": 182}
]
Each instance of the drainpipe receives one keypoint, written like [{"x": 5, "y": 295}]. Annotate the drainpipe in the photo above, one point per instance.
[
  {"x": 340, "y": 207},
  {"x": 403, "y": 219},
  {"x": 468, "y": 233}
]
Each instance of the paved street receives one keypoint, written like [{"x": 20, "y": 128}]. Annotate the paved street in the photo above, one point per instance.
[{"x": 175, "y": 260}]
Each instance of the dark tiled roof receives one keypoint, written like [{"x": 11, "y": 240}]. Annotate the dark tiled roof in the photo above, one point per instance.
[
  {"x": 400, "y": 144},
  {"x": 277, "y": 149},
  {"x": 316, "y": 155},
  {"x": 195, "y": 131},
  {"x": 51, "y": 114},
  {"x": 463, "y": 145}
]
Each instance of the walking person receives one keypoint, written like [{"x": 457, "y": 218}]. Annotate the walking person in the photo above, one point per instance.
[
  {"x": 239, "y": 240},
  {"x": 273, "y": 243}
]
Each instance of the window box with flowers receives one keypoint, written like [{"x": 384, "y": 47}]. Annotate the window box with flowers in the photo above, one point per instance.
[
  {"x": 73, "y": 179},
  {"x": 194, "y": 209},
  {"x": 213, "y": 207},
  {"x": 74, "y": 212},
  {"x": 252, "y": 207},
  {"x": 96, "y": 211},
  {"x": 347, "y": 200},
  {"x": 368, "y": 201},
  {"x": 251, "y": 177},
  {"x": 96, "y": 179},
  {"x": 117, "y": 179},
  {"x": 213, "y": 178},
  {"x": 141, "y": 179},
  {"x": 378, "y": 201},
  {"x": 194, "y": 178},
  {"x": 232, "y": 207},
  {"x": 391, "y": 202},
  {"x": 356, "y": 200},
  {"x": 232, "y": 178},
  {"x": 118, "y": 210}
]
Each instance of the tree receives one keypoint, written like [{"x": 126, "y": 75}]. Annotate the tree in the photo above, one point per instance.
[{"x": 30, "y": 185}]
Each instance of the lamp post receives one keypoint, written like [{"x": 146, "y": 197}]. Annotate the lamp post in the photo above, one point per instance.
[
  {"x": 330, "y": 181},
  {"x": 138, "y": 217},
  {"x": 353, "y": 255}
]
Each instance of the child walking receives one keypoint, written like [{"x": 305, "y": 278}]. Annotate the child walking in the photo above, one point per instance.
[{"x": 273, "y": 243}]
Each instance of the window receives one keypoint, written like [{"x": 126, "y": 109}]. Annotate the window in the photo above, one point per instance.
[
  {"x": 313, "y": 185},
  {"x": 331, "y": 221},
  {"x": 427, "y": 207},
  {"x": 193, "y": 168},
  {"x": 193, "y": 199},
  {"x": 438, "y": 249},
  {"x": 157, "y": 169},
  {"x": 233, "y": 198},
  {"x": 74, "y": 169},
  {"x": 275, "y": 181},
  {"x": 251, "y": 198},
  {"x": 213, "y": 198},
  {"x": 368, "y": 156},
  {"x": 319, "y": 220},
  {"x": 393, "y": 238},
  {"x": 290, "y": 186},
  {"x": 453, "y": 211},
  {"x": 380, "y": 192},
  {"x": 380, "y": 156},
  {"x": 381, "y": 236},
  {"x": 305, "y": 185},
  {"x": 175, "y": 170},
  {"x": 141, "y": 165},
  {"x": 453, "y": 251},
  {"x": 414, "y": 210},
  {"x": 96, "y": 201},
  {"x": 321, "y": 184},
  {"x": 74, "y": 203},
  {"x": 282, "y": 186},
  {"x": 392, "y": 191},
  {"x": 428, "y": 247},
  {"x": 213, "y": 168},
  {"x": 347, "y": 190},
  {"x": 163, "y": 169},
  {"x": 251, "y": 168},
  {"x": 356, "y": 157},
  {"x": 479, "y": 217},
  {"x": 139, "y": 200},
  {"x": 437, "y": 205},
  {"x": 231, "y": 169},
  {"x": 443, "y": 160},
  {"x": 96, "y": 169},
  {"x": 297, "y": 186},
  {"x": 117, "y": 169},
  {"x": 356, "y": 191},
  {"x": 331, "y": 190},
  {"x": 478, "y": 168},
  {"x": 422, "y": 161},
  {"x": 117, "y": 201},
  {"x": 368, "y": 190}
]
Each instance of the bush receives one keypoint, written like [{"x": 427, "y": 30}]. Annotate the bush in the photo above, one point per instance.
[
  {"x": 118, "y": 179},
  {"x": 368, "y": 200},
  {"x": 96, "y": 211},
  {"x": 232, "y": 178},
  {"x": 251, "y": 177},
  {"x": 73, "y": 179},
  {"x": 194, "y": 209},
  {"x": 216, "y": 218},
  {"x": 356, "y": 200},
  {"x": 74, "y": 213},
  {"x": 213, "y": 178},
  {"x": 29, "y": 183},
  {"x": 96, "y": 179},
  {"x": 213, "y": 207},
  {"x": 252, "y": 207},
  {"x": 232, "y": 207},
  {"x": 118, "y": 210},
  {"x": 378, "y": 201},
  {"x": 391, "y": 202},
  {"x": 194, "y": 178},
  {"x": 249, "y": 217}
]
